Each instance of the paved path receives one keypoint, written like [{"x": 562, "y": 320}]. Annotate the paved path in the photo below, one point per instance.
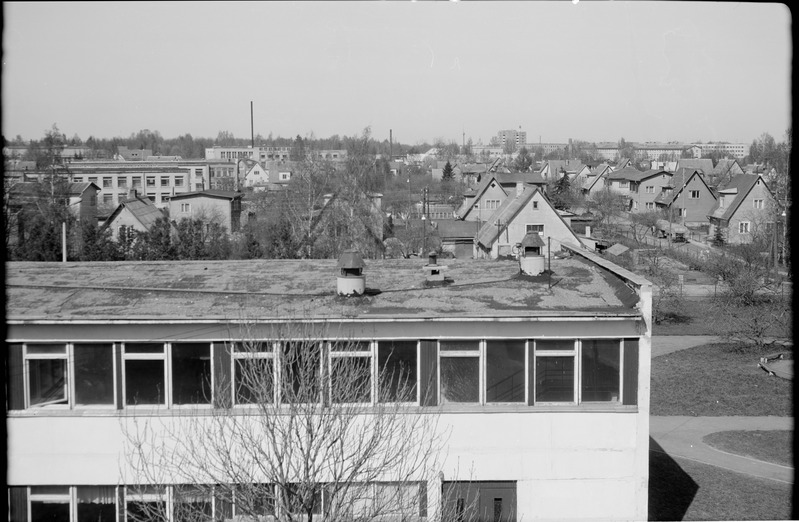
[
  {"x": 682, "y": 437},
  {"x": 663, "y": 344}
]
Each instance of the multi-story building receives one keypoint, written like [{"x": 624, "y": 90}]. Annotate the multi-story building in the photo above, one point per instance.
[
  {"x": 262, "y": 153},
  {"x": 518, "y": 138},
  {"x": 540, "y": 390},
  {"x": 737, "y": 150},
  {"x": 156, "y": 180}
]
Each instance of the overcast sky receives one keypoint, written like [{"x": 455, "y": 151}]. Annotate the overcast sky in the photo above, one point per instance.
[{"x": 596, "y": 71}]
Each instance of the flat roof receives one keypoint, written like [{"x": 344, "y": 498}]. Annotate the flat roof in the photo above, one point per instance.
[{"x": 278, "y": 289}]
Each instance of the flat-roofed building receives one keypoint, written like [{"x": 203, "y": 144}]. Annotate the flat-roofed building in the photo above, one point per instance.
[{"x": 542, "y": 389}]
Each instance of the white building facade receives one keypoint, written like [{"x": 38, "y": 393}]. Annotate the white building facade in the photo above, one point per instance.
[{"x": 542, "y": 394}]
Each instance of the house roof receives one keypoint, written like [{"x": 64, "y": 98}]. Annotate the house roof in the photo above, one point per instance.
[
  {"x": 227, "y": 291},
  {"x": 468, "y": 203},
  {"x": 678, "y": 181},
  {"x": 705, "y": 165},
  {"x": 507, "y": 212},
  {"x": 627, "y": 173},
  {"x": 740, "y": 185},
  {"x": 210, "y": 193},
  {"x": 141, "y": 208},
  {"x": 633, "y": 174},
  {"x": 456, "y": 228}
]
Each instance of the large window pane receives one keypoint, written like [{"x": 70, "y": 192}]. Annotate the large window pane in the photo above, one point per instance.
[
  {"x": 47, "y": 381},
  {"x": 396, "y": 361},
  {"x": 301, "y": 363},
  {"x": 50, "y": 503},
  {"x": 191, "y": 504},
  {"x": 554, "y": 379},
  {"x": 600, "y": 370},
  {"x": 191, "y": 373},
  {"x": 351, "y": 379},
  {"x": 50, "y": 511},
  {"x": 254, "y": 381},
  {"x": 144, "y": 382},
  {"x": 460, "y": 379},
  {"x": 94, "y": 374},
  {"x": 96, "y": 503},
  {"x": 505, "y": 371}
]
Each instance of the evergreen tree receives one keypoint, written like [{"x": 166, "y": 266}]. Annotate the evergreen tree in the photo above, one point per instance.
[{"x": 447, "y": 175}]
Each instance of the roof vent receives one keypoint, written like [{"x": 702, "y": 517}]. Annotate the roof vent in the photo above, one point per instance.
[
  {"x": 351, "y": 280},
  {"x": 531, "y": 254},
  {"x": 435, "y": 272}
]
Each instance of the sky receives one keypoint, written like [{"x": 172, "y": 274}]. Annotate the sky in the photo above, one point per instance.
[{"x": 426, "y": 70}]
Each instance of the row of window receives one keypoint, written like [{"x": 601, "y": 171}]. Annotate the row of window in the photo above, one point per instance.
[
  {"x": 151, "y": 181},
  {"x": 180, "y": 503},
  {"x": 427, "y": 372}
]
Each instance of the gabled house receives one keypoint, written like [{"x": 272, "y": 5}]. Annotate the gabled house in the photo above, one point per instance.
[
  {"x": 484, "y": 201},
  {"x": 554, "y": 169},
  {"x": 210, "y": 206},
  {"x": 723, "y": 172},
  {"x": 253, "y": 173},
  {"x": 136, "y": 213},
  {"x": 527, "y": 210},
  {"x": 595, "y": 180},
  {"x": 622, "y": 163},
  {"x": 688, "y": 197},
  {"x": 492, "y": 191},
  {"x": 649, "y": 185},
  {"x": 472, "y": 173},
  {"x": 746, "y": 207}
]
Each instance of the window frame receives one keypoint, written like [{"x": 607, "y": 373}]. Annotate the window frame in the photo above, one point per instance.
[
  {"x": 757, "y": 204},
  {"x": 478, "y": 354},
  {"x": 484, "y": 371},
  {"x": 352, "y": 354},
  {"x": 694, "y": 194},
  {"x": 573, "y": 353},
  {"x": 527, "y": 228},
  {"x": 744, "y": 227},
  {"x": 163, "y": 356},
  {"x": 252, "y": 355},
  {"x": 170, "y": 357},
  {"x": 67, "y": 386}
]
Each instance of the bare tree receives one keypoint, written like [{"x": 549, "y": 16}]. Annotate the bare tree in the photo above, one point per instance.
[{"x": 305, "y": 428}]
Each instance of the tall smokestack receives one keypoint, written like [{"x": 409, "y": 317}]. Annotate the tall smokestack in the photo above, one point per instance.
[
  {"x": 390, "y": 145},
  {"x": 252, "y": 127}
]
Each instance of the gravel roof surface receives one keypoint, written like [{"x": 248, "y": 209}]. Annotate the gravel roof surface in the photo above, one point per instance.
[{"x": 268, "y": 288}]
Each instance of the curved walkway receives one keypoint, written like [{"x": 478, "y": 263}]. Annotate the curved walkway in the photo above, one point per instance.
[
  {"x": 682, "y": 437},
  {"x": 663, "y": 344}
]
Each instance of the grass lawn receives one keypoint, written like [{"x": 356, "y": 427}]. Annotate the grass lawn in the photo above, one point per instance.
[
  {"x": 691, "y": 316},
  {"x": 717, "y": 379},
  {"x": 770, "y": 446},
  {"x": 681, "y": 489}
]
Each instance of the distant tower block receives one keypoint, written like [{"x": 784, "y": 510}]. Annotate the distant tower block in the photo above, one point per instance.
[
  {"x": 531, "y": 258},
  {"x": 351, "y": 281},
  {"x": 434, "y": 271}
]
